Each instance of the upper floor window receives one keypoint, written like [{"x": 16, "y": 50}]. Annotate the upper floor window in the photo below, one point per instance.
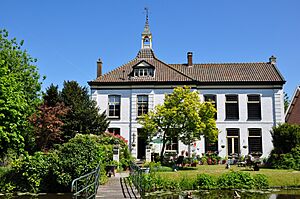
[
  {"x": 254, "y": 107},
  {"x": 232, "y": 107},
  {"x": 143, "y": 72},
  {"x": 114, "y": 106},
  {"x": 212, "y": 99},
  {"x": 142, "y": 104}
]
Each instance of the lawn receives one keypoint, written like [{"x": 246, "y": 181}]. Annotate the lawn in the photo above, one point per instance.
[{"x": 276, "y": 177}]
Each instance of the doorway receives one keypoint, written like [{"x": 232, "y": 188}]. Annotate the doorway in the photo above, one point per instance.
[
  {"x": 233, "y": 144},
  {"x": 141, "y": 145}
]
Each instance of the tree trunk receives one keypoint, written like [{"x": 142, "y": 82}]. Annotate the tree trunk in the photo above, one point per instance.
[{"x": 163, "y": 148}]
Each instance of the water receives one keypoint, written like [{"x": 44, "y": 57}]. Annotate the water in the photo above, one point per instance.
[
  {"x": 216, "y": 194},
  {"x": 40, "y": 196}
]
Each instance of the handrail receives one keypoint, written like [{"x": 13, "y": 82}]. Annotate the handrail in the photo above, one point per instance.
[
  {"x": 136, "y": 175},
  {"x": 86, "y": 185}
]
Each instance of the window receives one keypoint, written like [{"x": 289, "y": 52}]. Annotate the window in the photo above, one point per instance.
[
  {"x": 143, "y": 72},
  {"x": 114, "y": 105},
  {"x": 213, "y": 100},
  {"x": 233, "y": 143},
  {"x": 254, "y": 107},
  {"x": 172, "y": 144},
  {"x": 142, "y": 104},
  {"x": 115, "y": 131},
  {"x": 210, "y": 147},
  {"x": 255, "y": 141},
  {"x": 232, "y": 107}
]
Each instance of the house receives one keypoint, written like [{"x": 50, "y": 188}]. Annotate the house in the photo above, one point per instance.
[
  {"x": 248, "y": 98},
  {"x": 293, "y": 112}
]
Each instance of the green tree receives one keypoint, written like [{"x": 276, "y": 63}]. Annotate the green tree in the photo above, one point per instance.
[
  {"x": 181, "y": 115},
  {"x": 285, "y": 138},
  {"x": 83, "y": 116},
  {"x": 286, "y": 101},
  {"x": 51, "y": 97},
  {"x": 19, "y": 94}
]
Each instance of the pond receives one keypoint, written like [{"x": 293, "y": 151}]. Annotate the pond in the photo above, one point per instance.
[
  {"x": 270, "y": 194},
  {"x": 40, "y": 196}
]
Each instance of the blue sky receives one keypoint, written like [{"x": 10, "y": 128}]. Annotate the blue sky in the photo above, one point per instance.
[{"x": 67, "y": 37}]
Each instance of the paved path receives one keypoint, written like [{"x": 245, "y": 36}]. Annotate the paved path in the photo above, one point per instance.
[{"x": 117, "y": 187}]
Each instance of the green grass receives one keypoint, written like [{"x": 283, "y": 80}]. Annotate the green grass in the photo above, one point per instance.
[{"x": 276, "y": 177}]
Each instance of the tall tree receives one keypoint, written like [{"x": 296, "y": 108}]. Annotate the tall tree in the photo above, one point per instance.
[
  {"x": 19, "y": 94},
  {"x": 51, "y": 97},
  {"x": 84, "y": 116},
  {"x": 181, "y": 115}
]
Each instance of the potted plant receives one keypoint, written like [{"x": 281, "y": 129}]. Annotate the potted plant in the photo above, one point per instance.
[{"x": 110, "y": 168}]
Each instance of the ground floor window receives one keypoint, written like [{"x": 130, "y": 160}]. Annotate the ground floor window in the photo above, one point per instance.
[
  {"x": 172, "y": 144},
  {"x": 233, "y": 141},
  {"x": 115, "y": 131},
  {"x": 255, "y": 141},
  {"x": 210, "y": 147}
]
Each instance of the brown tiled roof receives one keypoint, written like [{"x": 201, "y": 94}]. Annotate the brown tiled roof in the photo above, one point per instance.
[
  {"x": 231, "y": 72},
  {"x": 202, "y": 73},
  {"x": 163, "y": 72}
]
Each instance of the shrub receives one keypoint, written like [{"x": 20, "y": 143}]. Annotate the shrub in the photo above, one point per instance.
[
  {"x": 204, "y": 181},
  {"x": 261, "y": 181},
  {"x": 242, "y": 180},
  {"x": 29, "y": 173},
  {"x": 285, "y": 138},
  {"x": 286, "y": 161},
  {"x": 55, "y": 170}
]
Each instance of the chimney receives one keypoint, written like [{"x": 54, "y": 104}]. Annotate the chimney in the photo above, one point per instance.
[
  {"x": 190, "y": 59},
  {"x": 99, "y": 67},
  {"x": 272, "y": 60}
]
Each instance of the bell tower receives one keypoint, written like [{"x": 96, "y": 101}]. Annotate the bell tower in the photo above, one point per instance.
[{"x": 146, "y": 35}]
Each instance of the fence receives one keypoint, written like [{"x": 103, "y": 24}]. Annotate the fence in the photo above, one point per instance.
[
  {"x": 86, "y": 186},
  {"x": 136, "y": 176}
]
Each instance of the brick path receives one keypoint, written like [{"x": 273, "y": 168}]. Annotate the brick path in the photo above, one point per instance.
[{"x": 117, "y": 187}]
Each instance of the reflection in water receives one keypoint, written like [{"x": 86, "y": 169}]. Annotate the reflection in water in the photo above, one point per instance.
[
  {"x": 217, "y": 194},
  {"x": 42, "y": 196}
]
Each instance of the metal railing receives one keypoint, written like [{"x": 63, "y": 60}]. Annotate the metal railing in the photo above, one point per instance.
[
  {"x": 136, "y": 176},
  {"x": 86, "y": 186}
]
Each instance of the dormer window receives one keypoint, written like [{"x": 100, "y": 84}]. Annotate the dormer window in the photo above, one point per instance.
[
  {"x": 143, "y": 69},
  {"x": 143, "y": 72}
]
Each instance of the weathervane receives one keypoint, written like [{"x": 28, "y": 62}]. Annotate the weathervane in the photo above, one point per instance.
[{"x": 147, "y": 13}]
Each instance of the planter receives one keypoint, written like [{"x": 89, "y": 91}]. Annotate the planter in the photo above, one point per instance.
[{"x": 110, "y": 170}]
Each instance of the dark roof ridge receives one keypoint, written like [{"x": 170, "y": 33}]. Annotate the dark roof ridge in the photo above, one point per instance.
[{"x": 222, "y": 63}]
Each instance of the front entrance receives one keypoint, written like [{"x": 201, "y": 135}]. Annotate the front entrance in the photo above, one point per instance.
[
  {"x": 141, "y": 146},
  {"x": 233, "y": 145}
]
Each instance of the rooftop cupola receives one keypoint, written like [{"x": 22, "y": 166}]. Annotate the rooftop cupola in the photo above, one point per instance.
[{"x": 146, "y": 35}]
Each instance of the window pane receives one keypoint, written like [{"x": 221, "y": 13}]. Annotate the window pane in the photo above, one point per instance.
[
  {"x": 114, "y": 105},
  {"x": 232, "y": 132},
  {"x": 232, "y": 107},
  {"x": 255, "y": 141},
  {"x": 254, "y": 107},
  {"x": 142, "y": 104}
]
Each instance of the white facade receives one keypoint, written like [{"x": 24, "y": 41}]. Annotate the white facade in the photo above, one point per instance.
[
  {"x": 272, "y": 113},
  {"x": 148, "y": 76}
]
